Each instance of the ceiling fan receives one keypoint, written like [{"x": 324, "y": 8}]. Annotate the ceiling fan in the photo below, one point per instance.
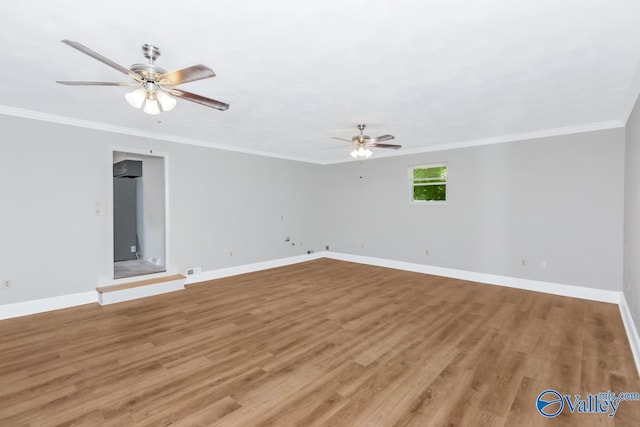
[
  {"x": 363, "y": 142},
  {"x": 155, "y": 87}
]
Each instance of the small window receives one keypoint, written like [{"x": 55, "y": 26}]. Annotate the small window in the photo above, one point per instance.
[{"x": 429, "y": 183}]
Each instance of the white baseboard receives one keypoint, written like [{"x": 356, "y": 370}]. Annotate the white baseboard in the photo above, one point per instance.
[
  {"x": 601, "y": 295},
  {"x": 632, "y": 331},
  {"x": 491, "y": 279},
  {"x": 26, "y": 308},
  {"x": 128, "y": 294},
  {"x": 250, "y": 268}
]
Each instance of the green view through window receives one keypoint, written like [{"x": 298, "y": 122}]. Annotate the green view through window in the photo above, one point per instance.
[{"x": 429, "y": 183}]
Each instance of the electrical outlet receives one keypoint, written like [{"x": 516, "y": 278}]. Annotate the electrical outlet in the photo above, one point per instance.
[
  {"x": 6, "y": 284},
  {"x": 524, "y": 263},
  {"x": 326, "y": 248},
  {"x": 133, "y": 249},
  {"x": 194, "y": 270},
  {"x": 543, "y": 264},
  {"x": 426, "y": 252}
]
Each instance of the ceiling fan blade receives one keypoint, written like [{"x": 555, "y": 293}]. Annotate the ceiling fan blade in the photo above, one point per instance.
[
  {"x": 186, "y": 75},
  {"x": 383, "y": 138},
  {"x": 341, "y": 139},
  {"x": 183, "y": 94},
  {"x": 80, "y": 83},
  {"x": 394, "y": 146},
  {"x": 95, "y": 55}
]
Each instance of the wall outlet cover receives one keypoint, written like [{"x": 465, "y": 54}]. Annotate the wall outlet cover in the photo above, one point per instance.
[{"x": 194, "y": 270}]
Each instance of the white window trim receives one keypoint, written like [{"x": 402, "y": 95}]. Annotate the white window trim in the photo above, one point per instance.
[{"x": 410, "y": 181}]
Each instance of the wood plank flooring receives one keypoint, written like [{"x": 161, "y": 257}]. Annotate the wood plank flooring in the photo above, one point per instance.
[{"x": 322, "y": 343}]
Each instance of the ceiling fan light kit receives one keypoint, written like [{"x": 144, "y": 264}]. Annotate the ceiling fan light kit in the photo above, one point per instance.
[
  {"x": 363, "y": 142},
  {"x": 151, "y": 99},
  {"x": 155, "y": 90},
  {"x": 361, "y": 151}
]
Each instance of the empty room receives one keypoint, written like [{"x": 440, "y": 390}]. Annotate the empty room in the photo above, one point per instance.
[{"x": 321, "y": 213}]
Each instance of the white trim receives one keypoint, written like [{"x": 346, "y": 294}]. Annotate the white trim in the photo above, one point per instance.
[
  {"x": 250, "y": 268},
  {"x": 568, "y": 130},
  {"x": 614, "y": 297},
  {"x": 165, "y": 166},
  {"x": 113, "y": 297},
  {"x": 70, "y": 121},
  {"x": 602, "y": 295},
  {"x": 26, "y": 308},
  {"x": 632, "y": 332},
  {"x": 55, "y": 303},
  {"x": 412, "y": 184},
  {"x": 491, "y": 279}
]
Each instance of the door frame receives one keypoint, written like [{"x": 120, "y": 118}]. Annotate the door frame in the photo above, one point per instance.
[{"x": 109, "y": 210}]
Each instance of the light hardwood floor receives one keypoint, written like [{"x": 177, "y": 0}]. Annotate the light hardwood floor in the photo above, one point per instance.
[{"x": 319, "y": 343}]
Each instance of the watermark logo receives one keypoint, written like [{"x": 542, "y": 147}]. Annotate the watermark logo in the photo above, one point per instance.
[{"x": 550, "y": 403}]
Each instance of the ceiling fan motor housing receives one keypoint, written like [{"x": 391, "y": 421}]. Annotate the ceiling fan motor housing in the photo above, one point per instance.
[{"x": 148, "y": 72}]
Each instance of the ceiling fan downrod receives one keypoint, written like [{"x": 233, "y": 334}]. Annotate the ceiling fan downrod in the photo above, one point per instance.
[{"x": 150, "y": 52}]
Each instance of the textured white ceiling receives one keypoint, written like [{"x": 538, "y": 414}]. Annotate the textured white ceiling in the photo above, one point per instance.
[{"x": 433, "y": 73}]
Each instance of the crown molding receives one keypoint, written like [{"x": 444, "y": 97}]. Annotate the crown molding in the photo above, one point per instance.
[
  {"x": 70, "y": 121},
  {"x": 516, "y": 137}
]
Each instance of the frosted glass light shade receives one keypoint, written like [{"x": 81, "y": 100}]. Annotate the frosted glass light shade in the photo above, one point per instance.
[
  {"x": 151, "y": 107},
  {"x": 167, "y": 102},
  {"x": 361, "y": 151},
  {"x": 136, "y": 98}
]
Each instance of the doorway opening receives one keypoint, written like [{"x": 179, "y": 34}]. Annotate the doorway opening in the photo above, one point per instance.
[{"x": 139, "y": 215}]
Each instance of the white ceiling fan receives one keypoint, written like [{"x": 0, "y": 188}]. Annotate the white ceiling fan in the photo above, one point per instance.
[
  {"x": 363, "y": 142},
  {"x": 155, "y": 87}
]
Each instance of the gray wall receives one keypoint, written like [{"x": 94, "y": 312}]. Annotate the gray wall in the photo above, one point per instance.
[
  {"x": 51, "y": 176},
  {"x": 558, "y": 200},
  {"x": 632, "y": 215}
]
